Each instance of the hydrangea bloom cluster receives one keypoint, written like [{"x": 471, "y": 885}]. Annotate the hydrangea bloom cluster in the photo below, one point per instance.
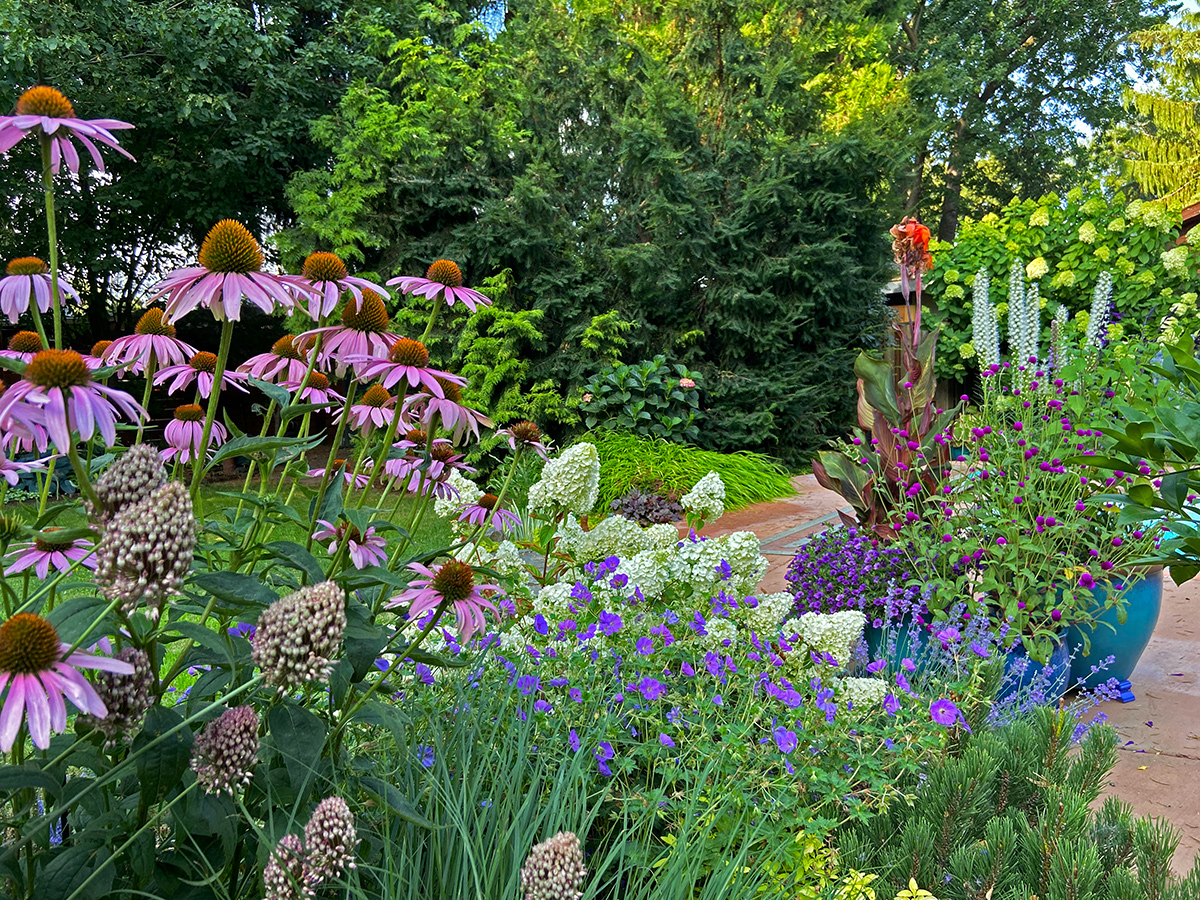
[
  {"x": 706, "y": 499},
  {"x": 554, "y": 869},
  {"x": 298, "y": 636},
  {"x": 570, "y": 480}
]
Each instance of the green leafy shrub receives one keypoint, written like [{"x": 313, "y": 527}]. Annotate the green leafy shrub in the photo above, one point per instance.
[
  {"x": 628, "y": 461},
  {"x": 650, "y": 398}
]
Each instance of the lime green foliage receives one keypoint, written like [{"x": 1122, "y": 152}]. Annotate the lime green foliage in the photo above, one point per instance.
[
  {"x": 628, "y": 461},
  {"x": 605, "y": 336},
  {"x": 1076, "y": 238}
]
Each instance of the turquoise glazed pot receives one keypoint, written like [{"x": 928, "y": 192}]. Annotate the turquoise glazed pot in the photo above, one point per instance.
[
  {"x": 1125, "y": 642},
  {"x": 1020, "y": 672},
  {"x": 911, "y": 640}
]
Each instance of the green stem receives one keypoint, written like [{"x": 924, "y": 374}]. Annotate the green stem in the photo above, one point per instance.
[
  {"x": 46, "y": 486},
  {"x": 254, "y": 462},
  {"x": 37, "y": 318},
  {"x": 213, "y": 400},
  {"x": 150, "y": 366},
  {"x": 385, "y": 449},
  {"x": 337, "y": 442},
  {"x": 433, "y": 316},
  {"x": 81, "y": 476},
  {"x": 52, "y": 231}
]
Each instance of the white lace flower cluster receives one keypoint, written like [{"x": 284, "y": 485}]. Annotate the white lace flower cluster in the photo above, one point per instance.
[
  {"x": 467, "y": 493},
  {"x": 614, "y": 536},
  {"x": 863, "y": 693},
  {"x": 698, "y": 565},
  {"x": 766, "y": 616},
  {"x": 1037, "y": 268},
  {"x": 571, "y": 480},
  {"x": 985, "y": 327},
  {"x": 1087, "y": 233},
  {"x": 706, "y": 498},
  {"x": 832, "y": 633}
]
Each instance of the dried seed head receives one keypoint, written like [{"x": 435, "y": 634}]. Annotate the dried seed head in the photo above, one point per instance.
[
  {"x": 525, "y": 431},
  {"x": 330, "y": 839},
  {"x": 126, "y": 697},
  {"x": 45, "y": 101},
  {"x": 26, "y": 265},
  {"x": 446, "y": 272},
  {"x": 321, "y": 266},
  {"x": 298, "y": 636},
  {"x": 28, "y": 644},
  {"x": 554, "y": 869},
  {"x": 147, "y": 550},
  {"x": 26, "y": 342},
  {"x": 133, "y": 477},
  {"x": 154, "y": 321},
  {"x": 230, "y": 247},
  {"x": 371, "y": 317},
  {"x": 224, "y": 753}
]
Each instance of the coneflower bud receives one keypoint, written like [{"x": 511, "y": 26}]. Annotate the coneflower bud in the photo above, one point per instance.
[
  {"x": 285, "y": 876},
  {"x": 224, "y": 753},
  {"x": 133, "y": 477},
  {"x": 298, "y": 636},
  {"x": 126, "y": 697},
  {"x": 330, "y": 839},
  {"x": 147, "y": 550},
  {"x": 554, "y": 869}
]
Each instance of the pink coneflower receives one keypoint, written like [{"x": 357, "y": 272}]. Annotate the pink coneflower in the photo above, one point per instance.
[
  {"x": 43, "y": 552},
  {"x": 448, "y": 410},
  {"x": 485, "y": 511},
  {"x": 43, "y": 110},
  {"x": 443, "y": 277},
  {"x": 525, "y": 434},
  {"x": 152, "y": 336},
  {"x": 366, "y": 548},
  {"x": 230, "y": 268},
  {"x": 286, "y": 361},
  {"x": 23, "y": 346},
  {"x": 24, "y": 278},
  {"x": 21, "y": 434},
  {"x": 363, "y": 334},
  {"x": 185, "y": 431},
  {"x": 426, "y": 474},
  {"x": 453, "y": 582},
  {"x": 58, "y": 393},
  {"x": 95, "y": 357},
  {"x": 38, "y": 674},
  {"x": 327, "y": 275},
  {"x": 202, "y": 369},
  {"x": 375, "y": 409},
  {"x": 315, "y": 389},
  {"x": 407, "y": 360},
  {"x": 360, "y": 480},
  {"x": 11, "y": 471}
]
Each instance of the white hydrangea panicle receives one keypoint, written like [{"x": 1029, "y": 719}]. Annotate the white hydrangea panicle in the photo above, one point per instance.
[
  {"x": 832, "y": 633},
  {"x": 613, "y": 536},
  {"x": 1175, "y": 261},
  {"x": 571, "y": 480},
  {"x": 864, "y": 693},
  {"x": 766, "y": 615},
  {"x": 706, "y": 499}
]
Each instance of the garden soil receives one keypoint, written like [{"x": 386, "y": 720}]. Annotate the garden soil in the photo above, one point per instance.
[{"x": 1158, "y": 766}]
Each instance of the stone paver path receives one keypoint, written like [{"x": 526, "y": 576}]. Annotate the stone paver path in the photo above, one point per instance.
[{"x": 1158, "y": 767}]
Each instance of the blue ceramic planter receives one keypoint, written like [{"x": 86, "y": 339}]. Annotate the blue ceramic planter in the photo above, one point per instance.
[
  {"x": 911, "y": 640},
  {"x": 1125, "y": 642},
  {"x": 1021, "y": 673}
]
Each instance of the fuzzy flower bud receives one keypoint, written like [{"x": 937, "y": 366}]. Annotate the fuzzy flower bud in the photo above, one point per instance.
[
  {"x": 225, "y": 751},
  {"x": 131, "y": 478},
  {"x": 285, "y": 876},
  {"x": 298, "y": 636},
  {"x": 554, "y": 869},
  {"x": 147, "y": 550},
  {"x": 126, "y": 697},
  {"x": 330, "y": 840}
]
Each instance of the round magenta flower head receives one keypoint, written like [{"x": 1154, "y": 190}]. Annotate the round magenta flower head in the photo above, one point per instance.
[
  {"x": 443, "y": 277},
  {"x": 363, "y": 335},
  {"x": 202, "y": 369},
  {"x": 298, "y": 636},
  {"x": 287, "y": 361},
  {"x": 327, "y": 275},
  {"x": 224, "y": 753},
  {"x": 452, "y": 583},
  {"x": 133, "y": 477},
  {"x": 153, "y": 337},
  {"x": 57, "y": 392},
  {"x": 230, "y": 268},
  {"x": 487, "y": 511},
  {"x": 147, "y": 550},
  {"x": 39, "y": 674},
  {"x": 44, "y": 110},
  {"x": 554, "y": 869},
  {"x": 24, "y": 345},
  {"x": 1056, "y": 615},
  {"x": 185, "y": 431},
  {"x": 447, "y": 409},
  {"x": 330, "y": 839},
  {"x": 127, "y": 698},
  {"x": 45, "y": 552},
  {"x": 375, "y": 409},
  {"x": 525, "y": 434},
  {"x": 28, "y": 277},
  {"x": 286, "y": 875}
]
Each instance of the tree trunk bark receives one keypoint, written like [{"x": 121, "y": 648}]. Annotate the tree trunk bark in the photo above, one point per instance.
[
  {"x": 916, "y": 187},
  {"x": 952, "y": 196}
]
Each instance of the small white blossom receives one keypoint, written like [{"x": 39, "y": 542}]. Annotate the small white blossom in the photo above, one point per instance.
[{"x": 832, "y": 633}]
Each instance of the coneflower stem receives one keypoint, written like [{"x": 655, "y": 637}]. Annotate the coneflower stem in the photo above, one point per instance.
[
  {"x": 81, "y": 476},
  {"x": 433, "y": 316},
  {"x": 52, "y": 232},
  {"x": 337, "y": 443},
  {"x": 37, "y": 320},
  {"x": 213, "y": 400},
  {"x": 150, "y": 364}
]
